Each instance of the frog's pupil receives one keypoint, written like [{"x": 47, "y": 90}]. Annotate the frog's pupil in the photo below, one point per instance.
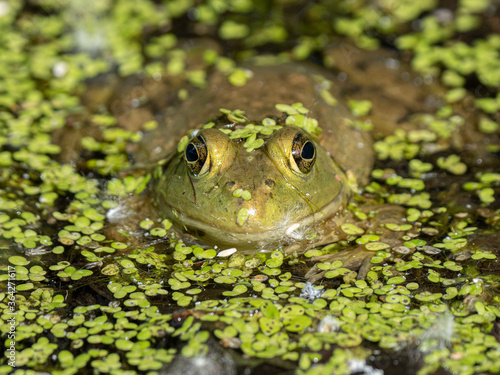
[
  {"x": 307, "y": 151},
  {"x": 191, "y": 153}
]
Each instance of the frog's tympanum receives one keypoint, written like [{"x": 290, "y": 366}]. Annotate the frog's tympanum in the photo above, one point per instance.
[{"x": 265, "y": 176}]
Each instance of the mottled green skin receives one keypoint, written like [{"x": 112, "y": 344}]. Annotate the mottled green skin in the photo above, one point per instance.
[{"x": 284, "y": 203}]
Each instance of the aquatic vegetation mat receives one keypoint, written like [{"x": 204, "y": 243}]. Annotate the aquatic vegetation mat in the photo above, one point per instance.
[{"x": 75, "y": 298}]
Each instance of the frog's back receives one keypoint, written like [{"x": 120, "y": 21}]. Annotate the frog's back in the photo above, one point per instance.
[{"x": 268, "y": 86}]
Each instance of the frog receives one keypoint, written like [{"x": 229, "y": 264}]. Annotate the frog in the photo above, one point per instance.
[
  {"x": 293, "y": 189},
  {"x": 235, "y": 183},
  {"x": 293, "y": 180},
  {"x": 298, "y": 182}
]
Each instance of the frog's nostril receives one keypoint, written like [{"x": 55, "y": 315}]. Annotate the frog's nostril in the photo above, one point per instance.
[{"x": 269, "y": 182}]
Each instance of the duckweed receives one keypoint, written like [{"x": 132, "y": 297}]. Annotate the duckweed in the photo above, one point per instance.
[
  {"x": 242, "y": 216},
  {"x": 245, "y": 194},
  {"x": 360, "y": 107}
]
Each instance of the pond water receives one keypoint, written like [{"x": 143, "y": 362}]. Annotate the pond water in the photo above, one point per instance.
[{"x": 92, "y": 282}]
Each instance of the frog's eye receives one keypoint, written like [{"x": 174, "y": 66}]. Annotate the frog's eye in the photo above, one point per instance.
[
  {"x": 303, "y": 153},
  {"x": 197, "y": 156}
]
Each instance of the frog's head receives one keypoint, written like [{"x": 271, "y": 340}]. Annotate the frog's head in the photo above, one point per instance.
[{"x": 228, "y": 194}]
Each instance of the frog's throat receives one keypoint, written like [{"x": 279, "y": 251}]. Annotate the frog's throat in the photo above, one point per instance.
[{"x": 257, "y": 238}]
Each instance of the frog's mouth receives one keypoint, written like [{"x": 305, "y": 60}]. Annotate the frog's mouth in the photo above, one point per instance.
[{"x": 258, "y": 238}]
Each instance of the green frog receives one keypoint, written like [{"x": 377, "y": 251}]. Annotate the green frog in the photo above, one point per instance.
[
  {"x": 295, "y": 179},
  {"x": 262, "y": 176}
]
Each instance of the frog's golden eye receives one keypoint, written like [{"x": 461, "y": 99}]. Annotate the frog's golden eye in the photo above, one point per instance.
[
  {"x": 303, "y": 153},
  {"x": 197, "y": 156}
]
